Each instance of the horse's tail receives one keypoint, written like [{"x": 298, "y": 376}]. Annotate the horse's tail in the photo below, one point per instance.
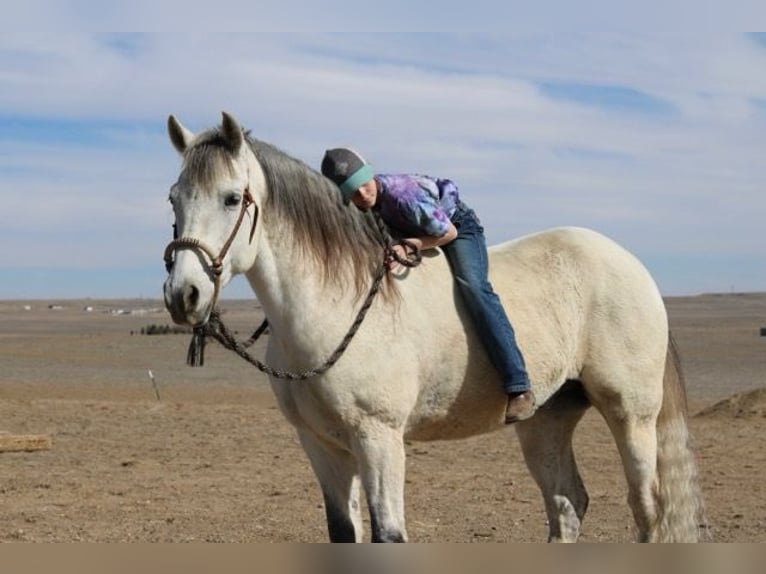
[{"x": 680, "y": 510}]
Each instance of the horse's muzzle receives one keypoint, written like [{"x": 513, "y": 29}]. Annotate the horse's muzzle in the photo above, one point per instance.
[{"x": 186, "y": 303}]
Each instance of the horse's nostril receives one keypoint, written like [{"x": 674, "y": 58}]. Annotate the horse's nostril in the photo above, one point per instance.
[{"x": 192, "y": 297}]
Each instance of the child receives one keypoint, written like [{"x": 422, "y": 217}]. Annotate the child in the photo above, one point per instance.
[{"x": 429, "y": 213}]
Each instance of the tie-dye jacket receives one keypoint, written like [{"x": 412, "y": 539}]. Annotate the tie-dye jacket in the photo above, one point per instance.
[{"x": 416, "y": 205}]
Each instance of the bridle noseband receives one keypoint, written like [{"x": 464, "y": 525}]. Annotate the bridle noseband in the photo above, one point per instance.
[{"x": 216, "y": 261}]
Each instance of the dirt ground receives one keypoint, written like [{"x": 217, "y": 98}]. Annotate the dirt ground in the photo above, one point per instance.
[{"x": 214, "y": 460}]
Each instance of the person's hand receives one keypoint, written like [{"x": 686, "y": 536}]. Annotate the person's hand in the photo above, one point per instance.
[{"x": 393, "y": 264}]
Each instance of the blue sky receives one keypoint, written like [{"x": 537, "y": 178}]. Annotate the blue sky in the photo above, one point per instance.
[{"x": 655, "y": 140}]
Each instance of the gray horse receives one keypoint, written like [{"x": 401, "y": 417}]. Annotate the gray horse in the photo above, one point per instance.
[{"x": 588, "y": 317}]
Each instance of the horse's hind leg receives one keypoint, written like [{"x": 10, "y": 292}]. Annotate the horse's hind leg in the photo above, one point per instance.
[
  {"x": 338, "y": 477},
  {"x": 636, "y": 439},
  {"x": 546, "y": 441}
]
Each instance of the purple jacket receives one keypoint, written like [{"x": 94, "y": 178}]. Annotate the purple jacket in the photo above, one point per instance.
[{"x": 416, "y": 205}]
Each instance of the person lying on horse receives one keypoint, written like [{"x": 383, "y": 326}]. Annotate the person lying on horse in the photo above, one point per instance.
[{"x": 429, "y": 213}]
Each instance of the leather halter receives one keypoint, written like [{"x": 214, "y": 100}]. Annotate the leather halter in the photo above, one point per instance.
[{"x": 216, "y": 261}]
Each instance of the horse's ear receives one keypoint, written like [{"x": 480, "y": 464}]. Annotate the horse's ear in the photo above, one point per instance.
[
  {"x": 232, "y": 133},
  {"x": 179, "y": 135}
]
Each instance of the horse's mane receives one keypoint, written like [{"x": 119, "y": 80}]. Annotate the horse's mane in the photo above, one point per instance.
[{"x": 344, "y": 243}]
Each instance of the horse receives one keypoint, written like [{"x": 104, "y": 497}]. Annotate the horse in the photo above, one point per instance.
[{"x": 589, "y": 319}]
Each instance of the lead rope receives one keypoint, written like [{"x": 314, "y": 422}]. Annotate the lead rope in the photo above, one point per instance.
[{"x": 217, "y": 330}]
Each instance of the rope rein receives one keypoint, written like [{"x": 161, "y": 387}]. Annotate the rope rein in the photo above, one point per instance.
[{"x": 217, "y": 330}]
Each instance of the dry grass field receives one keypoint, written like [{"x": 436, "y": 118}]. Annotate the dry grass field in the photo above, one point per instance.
[{"x": 214, "y": 460}]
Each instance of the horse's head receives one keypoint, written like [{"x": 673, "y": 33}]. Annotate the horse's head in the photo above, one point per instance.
[{"x": 216, "y": 201}]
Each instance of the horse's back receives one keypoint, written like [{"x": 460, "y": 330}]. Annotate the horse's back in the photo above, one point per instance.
[
  {"x": 575, "y": 253},
  {"x": 573, "y": 296},
  {"x": 570, "y": 267},
  {"x": 578, "y": 300}
]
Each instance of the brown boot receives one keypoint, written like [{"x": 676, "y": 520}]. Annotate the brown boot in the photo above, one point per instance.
[{"x": 520, "y": 407}]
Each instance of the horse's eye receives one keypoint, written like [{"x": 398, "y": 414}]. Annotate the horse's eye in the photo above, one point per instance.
[{"x": 232, "y": 200}]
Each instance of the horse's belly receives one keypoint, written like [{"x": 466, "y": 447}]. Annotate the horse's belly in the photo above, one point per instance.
[
  {"x": 458, "y": 409},
  {"x": 457, "y": 425}
]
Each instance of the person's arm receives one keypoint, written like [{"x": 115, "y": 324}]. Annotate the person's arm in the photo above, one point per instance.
[
  {"x": 425, "y": 242},
  {"x": 429, "y": 242}
]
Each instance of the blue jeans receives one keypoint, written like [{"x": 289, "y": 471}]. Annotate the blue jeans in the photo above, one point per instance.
[{"x": 467, "y": 256}]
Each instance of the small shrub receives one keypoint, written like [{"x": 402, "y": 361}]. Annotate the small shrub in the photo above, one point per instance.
[{"x": 155, "y": 329}]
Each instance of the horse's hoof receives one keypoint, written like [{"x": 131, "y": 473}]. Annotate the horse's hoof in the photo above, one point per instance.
[{"x": 520, "y": 407}]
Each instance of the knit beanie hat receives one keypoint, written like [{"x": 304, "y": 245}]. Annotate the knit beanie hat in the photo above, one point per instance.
[{"x": 347, "y": 169}]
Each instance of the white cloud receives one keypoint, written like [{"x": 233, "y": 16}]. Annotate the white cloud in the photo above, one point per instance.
[{"x": 465, "y": 106}]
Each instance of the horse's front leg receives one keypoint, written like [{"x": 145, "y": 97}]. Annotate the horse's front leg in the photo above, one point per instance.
[
  {"x": 380, "y": 452},
  {"x": 338, "y": 477}
]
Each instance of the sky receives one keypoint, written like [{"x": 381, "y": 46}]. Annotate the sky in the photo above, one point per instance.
[{"x": 656, "y": 140}]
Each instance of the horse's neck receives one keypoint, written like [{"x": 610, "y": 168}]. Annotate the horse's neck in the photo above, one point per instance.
[{"x": 297, "y": 303}]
